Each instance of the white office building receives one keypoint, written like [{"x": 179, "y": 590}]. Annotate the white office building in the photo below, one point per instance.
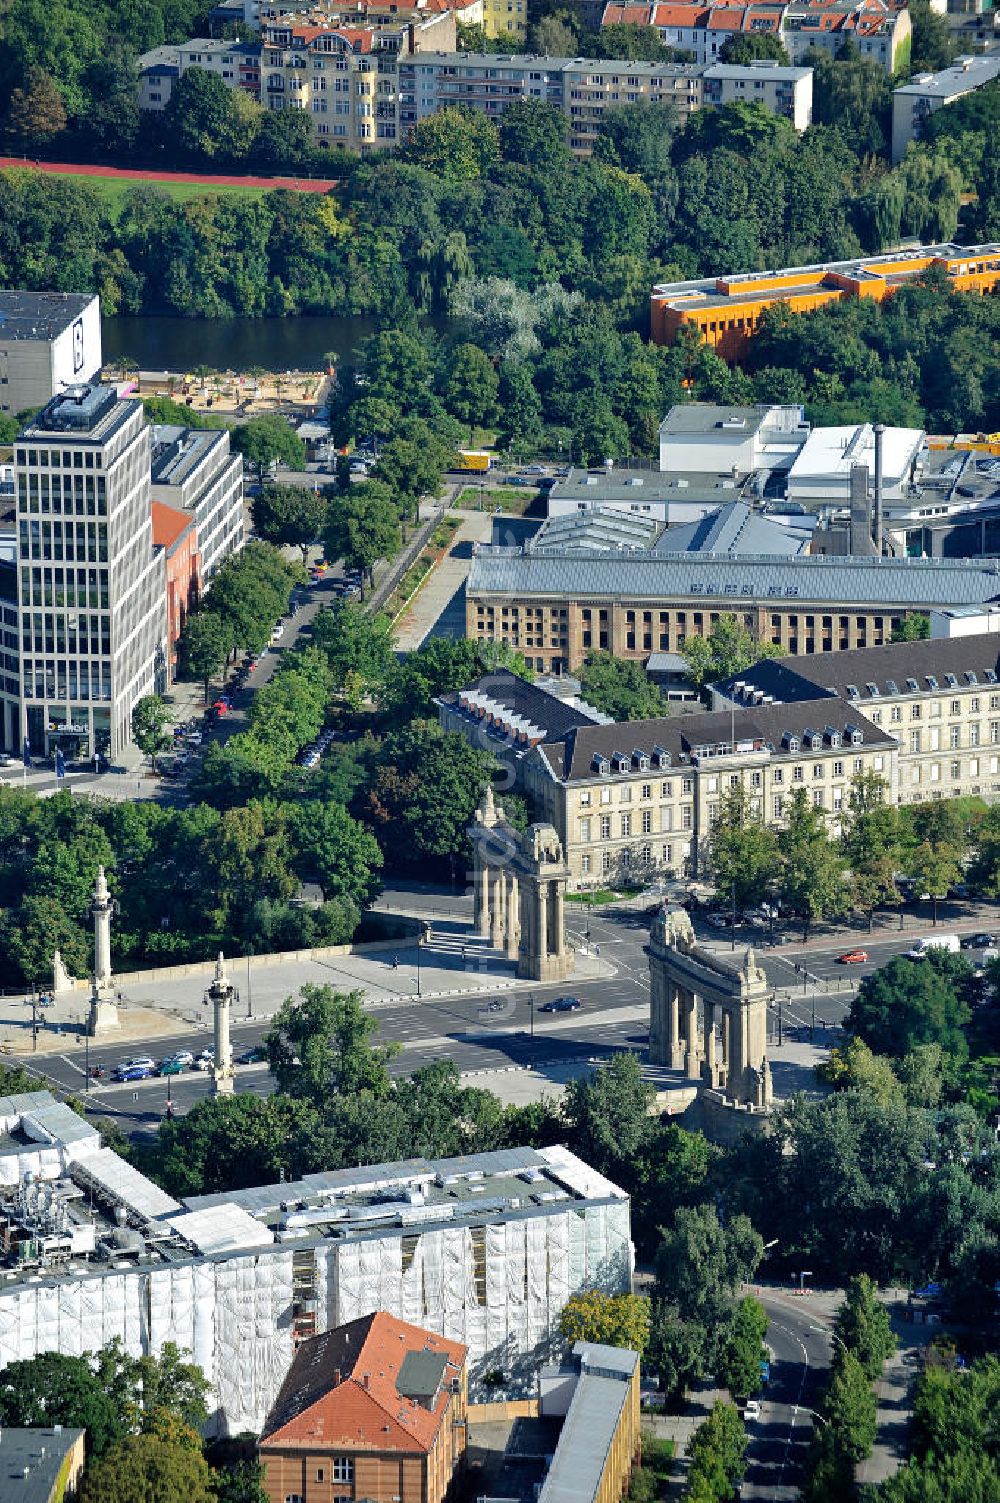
[
  {"x": 194, "y": 470},
  {"x": 91, "y": 590},
  {"x": 703, "y": 438},
  {"x": 48, "y": 341}
]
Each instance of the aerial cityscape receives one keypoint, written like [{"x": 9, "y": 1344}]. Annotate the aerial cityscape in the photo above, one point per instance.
[{"x": 500, "y": 751}]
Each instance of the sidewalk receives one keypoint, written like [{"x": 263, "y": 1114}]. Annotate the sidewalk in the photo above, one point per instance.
[
  {"x": 894, "y": 1392},
  {"x": 444, "y": 581}
]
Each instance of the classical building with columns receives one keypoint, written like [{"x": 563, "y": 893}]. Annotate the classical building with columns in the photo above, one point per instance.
[
  {"x": 519, "y": 885},
  {"x": 708, "y": 1014}
]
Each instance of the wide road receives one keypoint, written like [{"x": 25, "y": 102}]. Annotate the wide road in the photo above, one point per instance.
[{"x": 799, "y": 1339}]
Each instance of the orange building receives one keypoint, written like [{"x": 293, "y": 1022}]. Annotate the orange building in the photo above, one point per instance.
[
  {"x": 726, "y": 311},
  {"x": 175, "y": 532},
  {"x": 374, "y": 1409}
]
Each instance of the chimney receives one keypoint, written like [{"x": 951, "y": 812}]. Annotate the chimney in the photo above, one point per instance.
[
  {"x": 336, "y": 1377},
  {"x": 879, "y": 431},
  {"x": 366, "y": 1380}
]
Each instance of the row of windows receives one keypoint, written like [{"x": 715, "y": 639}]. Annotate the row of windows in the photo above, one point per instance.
[{"x": 66, "y": 680}]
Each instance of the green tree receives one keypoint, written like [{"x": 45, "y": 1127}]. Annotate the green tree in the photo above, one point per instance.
[
  {"x": 205, "y": 645},
  {"x": 149, "y": 1467},
  {"x": 745, "y": 48},
  {"x": 743, "y": 852},
  {"x": 915, "y": 628},
  {"x": 456, "y": 144},
  {"x": 863, "y": 1325},
  {"x": 342, "y": 856},
  {"x": 422, "y": 798},
  {"x": 319, "y": 1044},
  {"x": 612, "y": 1319},
  {"x": 730, "y": 647},
  {"x": 359, "y": 650},
  {"x": 536, "y": 135},
  {"x": 53, "y": 1389},
  {"x": 716, "y": 1453},
  {"x": 932, "y": 46},
  {"x": 934, "y": 867},
  {"x": 744, "y": 1349},
  {"x": 638, "y": 138},
  {"x": 633, "y": 43},
  {"x": 849, "y": 1407},
  {"x": 811, "y": 878},
  {"x": 149, "y": 722},
  {"x": 205, "y": 120},
  {"x": 290, "y": 514},
  {"x": 908, "y": 1003},
  {"x": 984, "y": 868},
  {"x": 266, "y": 440},
  {"x": 363, "y": 527},
  {"x": 553, "y": 36},
  {"x": 470, "y": 386},
  {"x": 870, "y": 840},
  {"x": 607, "y": 1112},
  {"x": 619, "y": 687},
  {"x": 35, "y": 112}
]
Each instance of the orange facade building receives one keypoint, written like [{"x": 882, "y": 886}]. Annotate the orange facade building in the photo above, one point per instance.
[
  {"x": 176, "y": 533},
  {"x": 726, "y": 311},
  {"x": 375, "y": 1410}
]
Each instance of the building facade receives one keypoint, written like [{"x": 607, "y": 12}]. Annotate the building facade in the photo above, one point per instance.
[
  {"x": 237, "y": 64},
  {"x": 194, "y": 470},
  {"x": 914, "y": 102},
  {"x": 785, "y": 91},
  {"x": 597, "y": 1392},
  {"x": 376, "y": 1410},
  {"x": 91, "y": 592},
  {"x": 726, "y": 310},
  {"x": 484, "y": 1250},
  {"x": 174, "y": 532},
  {"x": 48, "y": 341},
  {"x": 556, "y": 607},
  {"x": 637, "y": 800}
]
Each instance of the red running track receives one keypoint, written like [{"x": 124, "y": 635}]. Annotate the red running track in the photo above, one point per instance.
[{"x": 124, "y": 174}]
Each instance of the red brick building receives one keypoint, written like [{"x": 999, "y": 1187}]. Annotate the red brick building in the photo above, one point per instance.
[
  {"x": 175, "y": 532},
  {"x": 373, "y": 1410}
]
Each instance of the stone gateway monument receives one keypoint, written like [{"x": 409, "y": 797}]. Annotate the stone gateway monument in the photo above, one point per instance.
[
  {"x": 708, "y": 1014},
  {"x": 520, "y": 892}
]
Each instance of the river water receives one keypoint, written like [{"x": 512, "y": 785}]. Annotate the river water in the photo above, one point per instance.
[{"x": 235, "y": 344}]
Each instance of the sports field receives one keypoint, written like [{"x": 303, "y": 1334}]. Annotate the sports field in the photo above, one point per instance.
[{"x": 114, "y": 182}]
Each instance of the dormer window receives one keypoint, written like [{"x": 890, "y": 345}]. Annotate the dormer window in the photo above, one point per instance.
[
  {"x": 661, "y": 757},
  {"x": 641, "y": 760},
  {"x": 872, "y": 690},
  {"x": 951, "y": 681},
  {"x": 832, "y": 736},
  {"x": 853, "y": 691},
  {"x": 971, "y": 676},
  {"x": 854, "y": 735},
  {"x": 620, "y": 762},
  {"x": 602, "y": 765},
  {"x": 912, "y": 685},
  {"x": 812, "y": 739},
  {"x": 891, "y": 686},
  {"x": 790, "y": 742}
]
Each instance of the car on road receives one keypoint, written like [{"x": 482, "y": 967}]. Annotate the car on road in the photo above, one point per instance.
[
  {"x": 751, "y": 1410},
  {"x": 719, "y": 920},
  {"x": 130, "y": 1071},
  {"x": 533, "y": 469},
  {"x": 184, "y": 1055},
  {"x": 193, "y": 737},
  {"x": 562, "y": 1004},
  {"x": 220, "y": 708},
  {"x": 205, "y": 1060},
  {"x": 852, "y": 957},
  {"x": 977, "y": 941},
  {"x": 252, "y": 1056},
  {"x": 170, "y": 1067}
]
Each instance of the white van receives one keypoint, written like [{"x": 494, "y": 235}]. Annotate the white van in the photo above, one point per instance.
[{"x": 927, "y": 942}]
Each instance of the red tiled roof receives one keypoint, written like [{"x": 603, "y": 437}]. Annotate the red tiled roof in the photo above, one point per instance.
[
  {"x": 342, "y": 1390},
  {"x": 627, "y": 15},
  {"x": 680, "y": 15},
  {"x": 168, "y": 524}
]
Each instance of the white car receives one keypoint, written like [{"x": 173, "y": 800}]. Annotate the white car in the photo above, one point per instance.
[
  {"x": 143, "y": 1060},
  {"x": 183, "y": 1056},
  {"x": 205, "y": 1060},
  {"x": 751, "y": 1410}
]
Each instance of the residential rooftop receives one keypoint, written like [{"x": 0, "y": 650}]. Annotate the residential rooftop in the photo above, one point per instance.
[
  {"x": 577, "y": 1472},
  {"x": 649, "y": 487},
  {"x": 86, "y": 414},
  {"x": 964, "y": 75},
  {"x": 31, "y": 1461},
  {"x": 516, "y": 713}
]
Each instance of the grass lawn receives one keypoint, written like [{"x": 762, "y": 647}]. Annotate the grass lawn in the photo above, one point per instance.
[
  {"x": 512, "y": 501},
  {"x": 601, "y": 895},
  {"x": 433, "y": 550},
  {"x": 114, "y": 189}
]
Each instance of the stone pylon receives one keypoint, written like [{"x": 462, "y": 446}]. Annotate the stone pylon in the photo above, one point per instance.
[
  {"x": 221, "y": 995},
  {"x": 103, "y": 1010}
]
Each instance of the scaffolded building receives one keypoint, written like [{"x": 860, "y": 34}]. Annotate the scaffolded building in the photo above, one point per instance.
[{"x": 485, "y": 1250}]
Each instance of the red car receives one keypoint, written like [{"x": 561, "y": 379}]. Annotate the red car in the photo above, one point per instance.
[
  {"x": 853, "y": 957},
  {"x": 220, "y": 707}
]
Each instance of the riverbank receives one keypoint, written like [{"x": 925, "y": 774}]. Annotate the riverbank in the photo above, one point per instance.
[{"x": 231, "y": 396}]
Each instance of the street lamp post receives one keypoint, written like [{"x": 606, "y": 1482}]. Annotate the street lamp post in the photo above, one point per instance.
[
  {"x": 732, "y": 918},
  {"x": 420, "y": 935},
  {"x": 249, "y": 984},
  {"x": 34, "y": 1019},
  {"x": 805, "y": 1273}
]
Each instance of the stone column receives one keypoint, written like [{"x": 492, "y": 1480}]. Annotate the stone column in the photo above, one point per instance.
[
  {"x": 709, "y": 1068},
  {"x": 497, "y": 885},
  {"x": 101, "y": 912},
  {"x": 693, "y": 1059},
  {"x": 221, "y": 994},
  {"x": 676, "y": 1052},
  {"x": 513, "y": 917},
  {"x": 542, "y": 922},
  {"x": 559, "y": 918},
  {"x": 481, "y": 921}
]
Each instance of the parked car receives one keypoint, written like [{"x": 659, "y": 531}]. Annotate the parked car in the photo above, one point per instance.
[
  {"x": 205, "y": 1060},
  {"x": 170, "y": 1067},
  {"x": 134, "y": 1072},
  {"x": 751, "y": 1410},
  {"x": 193, "y": 738},
  {"x": 220, "y": 708},
  {"x": 852, "y": 957},
  {"x": 184, "y": 1055},
  {"x": 278, "y": 632},
  {"x": 977, "y": 941},
  {"x": 562, "y": 1004}
]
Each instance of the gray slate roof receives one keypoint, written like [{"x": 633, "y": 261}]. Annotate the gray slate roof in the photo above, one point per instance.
[
  {"x": 39, "y": 315},
  {"x": 828, "y": 581},
  {"x": 735, "y": 529},
  {"x": 572, "y": 760},
  {"x": 792, "y": 679},
  {"x": 30, "y": 1461},
  {"x": 549, "y": 714}
]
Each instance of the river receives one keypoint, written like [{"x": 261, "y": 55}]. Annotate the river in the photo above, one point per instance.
[{"x": 235, "y": 344}]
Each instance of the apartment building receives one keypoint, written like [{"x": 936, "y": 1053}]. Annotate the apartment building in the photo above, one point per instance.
[
  {"x": 556, "y": 605},
  {"x": 639, "y": 798},
  {"x": 91, "y": 590},
  {"x": 913, "y": 102},
  {"x": 785, "y": 91},
  {"x": 193, "y": 470},
  {"x": 938, "y": 699},
  {"x": 726, "y": 310},
  {"x": 879, "y": 31},
  {"x": 236, "y": 63}
]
